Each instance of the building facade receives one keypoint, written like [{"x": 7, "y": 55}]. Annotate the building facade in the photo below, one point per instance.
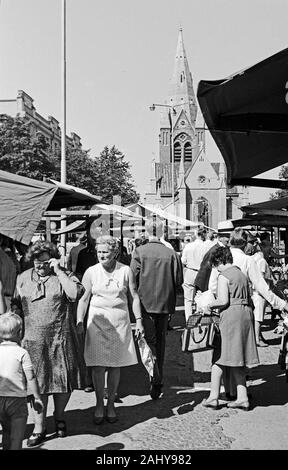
[
  {"x": 23, "y": 106},
  {"x": 199, "y": 185}
]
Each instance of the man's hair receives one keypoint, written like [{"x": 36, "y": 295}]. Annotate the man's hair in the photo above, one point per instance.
[
  {"x": 222, "y": 255},
  {"x": 10, "y": 326},
  {"x": 154, "y": 226},
  {"x": 238, "y": 238},
  {"x": 201, "y": 232}
]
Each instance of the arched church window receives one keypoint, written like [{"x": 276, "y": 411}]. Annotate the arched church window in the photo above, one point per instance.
[
  {"x": 201, "y": 211},
  {"x": 188, "y": 152},
  {"x": 177, "y": 152}
]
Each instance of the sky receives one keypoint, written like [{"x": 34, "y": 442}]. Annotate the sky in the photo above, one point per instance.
[{"x": 120, "y": 58}]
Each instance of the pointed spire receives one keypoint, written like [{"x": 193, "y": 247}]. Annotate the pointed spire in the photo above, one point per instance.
[{"x": 181, "y": 90}]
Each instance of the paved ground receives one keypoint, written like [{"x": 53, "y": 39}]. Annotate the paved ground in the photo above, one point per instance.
[{"x": 177, "y": 420}]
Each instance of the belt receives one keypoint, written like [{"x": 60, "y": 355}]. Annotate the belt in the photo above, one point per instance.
[
  {"x": 192, "y": 269},
  {"x": 239, "y": 302}
]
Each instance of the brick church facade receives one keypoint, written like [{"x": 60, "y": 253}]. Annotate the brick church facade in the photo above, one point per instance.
[{"x": 200, "y": 189}]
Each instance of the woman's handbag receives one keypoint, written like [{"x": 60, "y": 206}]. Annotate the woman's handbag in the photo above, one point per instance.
[{"x": 200, "y": 333}]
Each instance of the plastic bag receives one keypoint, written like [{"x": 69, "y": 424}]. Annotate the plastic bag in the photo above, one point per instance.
[
  {"x": 146, "y": 354},
  {"x": 202, "y": 299}
]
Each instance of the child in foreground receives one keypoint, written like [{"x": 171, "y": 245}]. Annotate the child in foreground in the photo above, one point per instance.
[{"x": 16, "y": 374}]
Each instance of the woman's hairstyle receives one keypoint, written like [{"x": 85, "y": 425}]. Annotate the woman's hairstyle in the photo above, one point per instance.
[
  {"x": 238, "y": 238},
  {"x": 10, "y": 325},
  {"x": 40, "y": 247},
  {"x": 222, "y": 255},
  {"x": 111, "y": 242}
]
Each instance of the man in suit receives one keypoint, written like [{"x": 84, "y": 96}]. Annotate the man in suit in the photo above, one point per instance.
[{"x": 158, "y": 272}]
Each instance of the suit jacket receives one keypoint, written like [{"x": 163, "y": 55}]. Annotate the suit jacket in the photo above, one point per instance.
[
  {"x": 204, "y": 273},
  {"x": 158, "y": 272}
]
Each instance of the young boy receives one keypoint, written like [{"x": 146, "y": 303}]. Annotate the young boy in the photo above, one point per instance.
[{"x": 16, "y": 373}]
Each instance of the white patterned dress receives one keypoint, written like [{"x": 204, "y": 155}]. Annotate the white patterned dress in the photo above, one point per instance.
[{"x": 109, "y": 341}]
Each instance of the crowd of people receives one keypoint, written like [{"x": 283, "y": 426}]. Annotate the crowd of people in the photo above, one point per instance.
[{"x": 63, "y": 329}]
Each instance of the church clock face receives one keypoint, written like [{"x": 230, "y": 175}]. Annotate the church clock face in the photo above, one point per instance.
[{"x": 202, "y": 179}]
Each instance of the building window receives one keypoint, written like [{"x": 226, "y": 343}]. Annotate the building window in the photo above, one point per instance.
[
  {"x": 177, "y": 152},
  {"x": 188, "y": 152}
]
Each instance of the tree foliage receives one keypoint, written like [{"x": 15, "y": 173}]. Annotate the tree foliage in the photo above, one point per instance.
[
  {"x": 116, "y": 176},
  {"x": 283, "y": 174},
  {"x": 22, "y": 153},
  {"x": 25, "y": 154}
]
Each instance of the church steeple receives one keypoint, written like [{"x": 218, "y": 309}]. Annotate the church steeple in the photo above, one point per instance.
[{"x": 181, "y": 92}]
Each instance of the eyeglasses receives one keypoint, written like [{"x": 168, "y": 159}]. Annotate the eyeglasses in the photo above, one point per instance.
[{"x": 41, "y": 263}]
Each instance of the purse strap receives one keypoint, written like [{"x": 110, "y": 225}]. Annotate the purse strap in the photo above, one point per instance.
[{"x": 201, "y": 339}]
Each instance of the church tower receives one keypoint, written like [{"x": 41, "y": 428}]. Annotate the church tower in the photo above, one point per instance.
[
  {"x": 200, "y": 188},
  {"x": 179, "y": 120}
]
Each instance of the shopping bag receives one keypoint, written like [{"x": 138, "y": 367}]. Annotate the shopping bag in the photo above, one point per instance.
[
  {"x": 146, "y": 354},
  {"x": 203, "y": 299},
  {"x": 200, "y": 333}
]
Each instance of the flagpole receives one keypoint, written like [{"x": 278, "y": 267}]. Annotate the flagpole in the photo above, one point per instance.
[{"x": 63, "y": 116}]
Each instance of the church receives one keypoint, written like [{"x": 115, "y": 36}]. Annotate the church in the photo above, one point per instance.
[{"x": 184, "y": 180}]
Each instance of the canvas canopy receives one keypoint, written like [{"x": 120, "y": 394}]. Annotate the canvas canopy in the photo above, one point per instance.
[
  {"x": 247, "y": 115},
  {"x": 273, "y": 213},
  {"x": 24, "y": 200}
]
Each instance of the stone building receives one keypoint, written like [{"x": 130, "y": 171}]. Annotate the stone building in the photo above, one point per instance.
[
  {"x": 23, "y": 106},
  {"x": 200, "y": 189}
]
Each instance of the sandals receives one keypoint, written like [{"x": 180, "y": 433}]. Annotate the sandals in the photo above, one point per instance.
[
  {"x": 243, "y": 405},
  {"x": 213, "y": 404},
  {"x": 36, "y": 438}
]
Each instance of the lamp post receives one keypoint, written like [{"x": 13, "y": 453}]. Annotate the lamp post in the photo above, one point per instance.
[
  {"x": 171, "y": 112},
  {"x": 63, "y": 123}
]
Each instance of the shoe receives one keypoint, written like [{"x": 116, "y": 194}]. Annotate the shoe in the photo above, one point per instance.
[
  {"x": 61, "y": 428},
  {"x": 261, "y": 344},
  {"x": 111, "y": 419},
  {"x": 213, "y": 404},
  {"x": 89, "y": 389},
  {"x": 243, "y": 405},
  {"x": 36, "y": 438},
  {"x": 155, "y": 391},
  {"x": 98, "y": 420}
]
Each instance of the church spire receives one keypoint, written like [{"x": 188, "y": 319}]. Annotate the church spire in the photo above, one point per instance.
[{"x": 181, "y": 92}]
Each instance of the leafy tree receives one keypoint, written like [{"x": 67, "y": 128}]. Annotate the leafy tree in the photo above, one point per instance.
[
  {"x": 21, "y": 153},
  {"x": 30, "y": 155},
  {"x": 114, "y": 176},
  {"x": 283, "y": 174},
  {"x": 80, "y": 169}
]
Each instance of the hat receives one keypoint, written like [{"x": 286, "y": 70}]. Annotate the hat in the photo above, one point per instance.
[{"x": 225, "y": 228}]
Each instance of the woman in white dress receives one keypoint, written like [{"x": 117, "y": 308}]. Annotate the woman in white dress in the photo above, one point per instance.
[{"x": 109, "y": 342}]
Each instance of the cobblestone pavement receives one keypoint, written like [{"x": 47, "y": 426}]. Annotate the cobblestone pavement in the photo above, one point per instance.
[{"x": 177, "y": 420}]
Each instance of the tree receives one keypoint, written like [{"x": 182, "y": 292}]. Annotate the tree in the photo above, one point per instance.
[
  {"x": 22, "y": 153},
  {"x": 30, "y": 155},
  {"x": 80, "y": 169},
  {"x": 115, "y": 177},
  {"x": 283, "y": 174}
]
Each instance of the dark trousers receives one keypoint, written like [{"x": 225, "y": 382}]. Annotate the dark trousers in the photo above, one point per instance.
[{"x": 155, "y": 327}]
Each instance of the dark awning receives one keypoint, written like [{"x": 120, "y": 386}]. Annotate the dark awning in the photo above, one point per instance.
[
  {"x": 24, "y": 200},
  {"x": 247, "y": 115}
]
